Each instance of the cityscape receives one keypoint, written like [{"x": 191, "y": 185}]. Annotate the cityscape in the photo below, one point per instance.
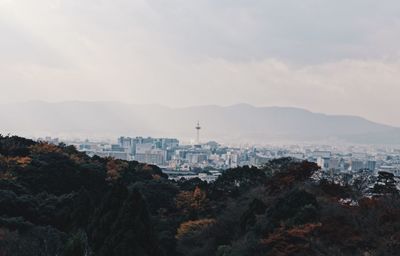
[
  {"x": 199, "y": 128},
  {"x": 209, "y": 159}
]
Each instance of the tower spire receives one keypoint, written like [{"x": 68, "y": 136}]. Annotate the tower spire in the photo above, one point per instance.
[{"x": 198, "y": 128}]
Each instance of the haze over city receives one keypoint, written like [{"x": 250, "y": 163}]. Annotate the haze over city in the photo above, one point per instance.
[
  {"x": 199, "y": 127},
  {"x": 325, "y": 56}
]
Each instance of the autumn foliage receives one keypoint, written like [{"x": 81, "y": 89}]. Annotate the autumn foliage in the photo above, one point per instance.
[
  {"x": 55, "y": 200},
  {"x": 192, "y": 226}
]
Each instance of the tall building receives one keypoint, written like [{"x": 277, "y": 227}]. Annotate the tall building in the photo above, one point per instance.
[
  {"x": 196, "y": 158},
  {"x": 143, "y": 148},
  {"x": 371, "y": 165},
  {"x": 125, "y": 142},
  {"x": 357, "y": 165},
  {"x": 147, "y": 153},
  {"x": 323, "y": 162},
  {"x": 133, "y": 144}
]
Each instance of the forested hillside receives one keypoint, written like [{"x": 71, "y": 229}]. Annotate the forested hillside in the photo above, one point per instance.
[{"x": 55, "y": 200}]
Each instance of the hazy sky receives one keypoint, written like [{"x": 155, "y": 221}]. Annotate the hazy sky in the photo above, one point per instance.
[{"x": 327, "y": 56}]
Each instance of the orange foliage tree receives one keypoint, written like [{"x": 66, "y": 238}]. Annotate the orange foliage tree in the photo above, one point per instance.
[
  {"x": 114, "y": 168},
  {"x": 191, "y": 202},
  {"x": 193, "y": 226}
]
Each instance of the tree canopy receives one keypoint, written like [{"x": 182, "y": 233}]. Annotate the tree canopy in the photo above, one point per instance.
[{"x": 55, "y": 200}]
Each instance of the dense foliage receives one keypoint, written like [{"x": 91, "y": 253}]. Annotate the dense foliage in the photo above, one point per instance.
[{"x": 55, "y": 200}]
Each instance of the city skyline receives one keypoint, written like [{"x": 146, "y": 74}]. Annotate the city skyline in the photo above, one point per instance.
[
  {"x": 207, "y": 160},
  {"x": 199, "y": 127},
  {"x": 240, "y": 123}
]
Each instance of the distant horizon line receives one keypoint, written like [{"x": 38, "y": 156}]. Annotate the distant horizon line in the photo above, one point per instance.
[{"x": 201, "y": 105}]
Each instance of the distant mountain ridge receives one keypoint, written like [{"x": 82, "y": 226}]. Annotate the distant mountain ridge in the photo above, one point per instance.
[{"x": 239, "y": 123}]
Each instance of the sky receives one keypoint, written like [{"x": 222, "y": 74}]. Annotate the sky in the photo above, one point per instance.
[{"x": 338, "y": 57}]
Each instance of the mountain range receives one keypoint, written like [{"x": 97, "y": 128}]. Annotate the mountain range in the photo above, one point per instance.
[{"x": 241, "y": 123}]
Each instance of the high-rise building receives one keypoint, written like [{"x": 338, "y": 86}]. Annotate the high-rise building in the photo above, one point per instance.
[
  {"x": 147, "y": 153},
  {"x": 125, "y": 142},
  {"x": 357, "y": 165},
  {"x": 371, "y": 165},
  {"x": 132, "y": 144}
]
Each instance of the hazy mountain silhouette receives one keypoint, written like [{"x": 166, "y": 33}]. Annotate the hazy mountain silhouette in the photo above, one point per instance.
[{"x": 237, "y": 123}]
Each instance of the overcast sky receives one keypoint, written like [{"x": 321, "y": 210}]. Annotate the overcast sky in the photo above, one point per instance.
[{"x": 326, "y": 56}]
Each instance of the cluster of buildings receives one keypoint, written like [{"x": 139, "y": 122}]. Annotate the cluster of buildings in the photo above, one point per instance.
[
  {"x": 212, "y": 158},
  {"x": 341, "y": 159},
  {"x": 207, "y": 160},
  {"x": 199, "y": 160}
]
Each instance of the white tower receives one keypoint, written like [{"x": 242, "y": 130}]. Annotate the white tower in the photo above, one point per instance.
[{"x": 198, "y": 128}]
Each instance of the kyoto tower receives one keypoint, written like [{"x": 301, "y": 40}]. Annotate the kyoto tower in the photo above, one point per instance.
[{"x": 198, "y": 128}]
